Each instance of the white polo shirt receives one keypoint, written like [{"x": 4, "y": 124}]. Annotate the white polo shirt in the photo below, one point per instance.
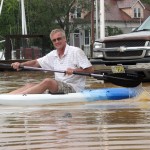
[{"x": 73, "y": 58}]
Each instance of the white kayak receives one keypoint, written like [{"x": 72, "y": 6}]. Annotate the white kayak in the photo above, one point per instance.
[{"x": 84, "y": 96}]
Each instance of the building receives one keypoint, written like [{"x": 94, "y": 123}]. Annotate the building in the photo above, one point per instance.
[{"x": 124, "y": 15}]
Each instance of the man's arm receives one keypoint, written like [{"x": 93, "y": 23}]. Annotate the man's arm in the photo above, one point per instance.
[
  {"x": 89, "y": 70},
  {"x": 69, "y": 71},
  {"x": 32, "y": 63}
]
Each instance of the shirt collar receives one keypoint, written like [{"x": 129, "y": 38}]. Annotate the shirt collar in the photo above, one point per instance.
[{"x": 65, "y": 52}]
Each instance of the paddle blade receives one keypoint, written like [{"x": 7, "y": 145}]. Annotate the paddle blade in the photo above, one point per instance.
[{"x": 122, "y": 79}]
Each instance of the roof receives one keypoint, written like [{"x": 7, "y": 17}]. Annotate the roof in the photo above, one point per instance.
[
  {"x": 113, "y": 13},
  {"x": 113, "y": 10},
  {"x": 127, "y": 3}
]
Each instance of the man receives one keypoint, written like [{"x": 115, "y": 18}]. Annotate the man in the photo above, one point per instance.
[{"x": 65, "y": 57}]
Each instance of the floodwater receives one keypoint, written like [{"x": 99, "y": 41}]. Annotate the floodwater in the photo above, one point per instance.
[{"x": 103, "y": 125}]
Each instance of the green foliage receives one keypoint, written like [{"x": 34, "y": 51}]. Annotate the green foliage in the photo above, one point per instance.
[
  {"x": 145, "y": 1},
  {"x": 41, "y": 15},
  {"x": 8, "y": 17},
  {"x": 113, "y": 31}
]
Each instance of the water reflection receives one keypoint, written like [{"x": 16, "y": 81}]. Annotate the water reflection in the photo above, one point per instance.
[
  {"x": 115, "y": 125},
  {"x": 75, "y": 129}
]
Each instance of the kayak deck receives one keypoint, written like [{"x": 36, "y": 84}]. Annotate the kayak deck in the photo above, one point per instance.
[{"x": 88, "y": 95}]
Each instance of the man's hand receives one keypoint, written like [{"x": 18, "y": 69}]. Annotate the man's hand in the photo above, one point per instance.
[
  {"x": 16, "y": 65},
  {"x": 69, "y": 71}
]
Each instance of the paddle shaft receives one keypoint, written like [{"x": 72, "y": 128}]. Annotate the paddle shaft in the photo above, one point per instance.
[
  {"x": 58, "y": 71},
  {"x": 121, "y": 79}
]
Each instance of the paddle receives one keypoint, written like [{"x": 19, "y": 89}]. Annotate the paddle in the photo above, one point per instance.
[{"x": 121, "y": 79}]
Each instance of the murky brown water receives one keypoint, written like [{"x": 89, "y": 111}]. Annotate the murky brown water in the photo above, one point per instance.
[{"x": 113, "y": 125}]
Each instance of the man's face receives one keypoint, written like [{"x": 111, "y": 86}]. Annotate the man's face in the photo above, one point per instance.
[{"x": 58, "y": 40}]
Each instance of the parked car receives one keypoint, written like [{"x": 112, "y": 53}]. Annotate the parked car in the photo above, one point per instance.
[{"x": 126, "y": 49}]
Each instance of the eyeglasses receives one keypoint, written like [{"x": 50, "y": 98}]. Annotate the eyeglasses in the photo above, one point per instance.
[{"x": 57, "y": 39}]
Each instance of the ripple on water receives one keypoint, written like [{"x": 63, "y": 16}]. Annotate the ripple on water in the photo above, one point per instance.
[{"x": 37, "y": 128}]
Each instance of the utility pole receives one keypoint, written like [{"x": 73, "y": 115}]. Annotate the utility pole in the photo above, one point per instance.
[
  {"x": 24, "y": 26},
  {"x": 102, "y": 19},
  {"x": 1, "y": 6},
  {"x": 92, "y": 26},
  {"x": 97, "y": 19}
]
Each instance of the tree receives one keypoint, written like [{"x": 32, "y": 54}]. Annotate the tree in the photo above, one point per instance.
[
  {"x": 113, "y": 31},
  {"x": 146, "y": 1},
  {"x": 41, "y": 16},
  {"x": 9, "y": 17}
]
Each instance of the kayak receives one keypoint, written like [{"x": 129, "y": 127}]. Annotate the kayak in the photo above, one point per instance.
[{"x": 88, "y": 95}]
